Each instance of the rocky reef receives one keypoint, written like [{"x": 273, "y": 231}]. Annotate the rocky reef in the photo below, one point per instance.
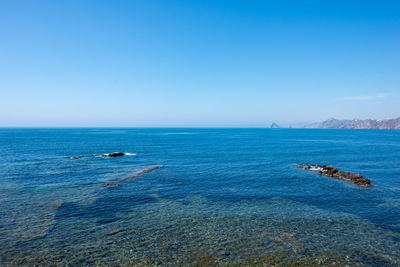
[
  {"x": 333, "y": 172},
  {"x": 139, "y": 173},
  {"x": 131, "y": 176},
  {"x": 110, "y": 185}
]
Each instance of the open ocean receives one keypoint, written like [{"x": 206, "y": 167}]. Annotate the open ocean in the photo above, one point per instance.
[{"x": 221, "y": 197}]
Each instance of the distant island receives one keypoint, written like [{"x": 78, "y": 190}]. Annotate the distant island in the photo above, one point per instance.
[
  {"x": 357, "y": 124},
  {"x": 274, "y": 125}
]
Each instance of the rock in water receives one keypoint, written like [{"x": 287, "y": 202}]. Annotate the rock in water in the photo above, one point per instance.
[
  {"x": 274, "y": 126},
  {"x": 331, "y": 171},
  {"x": 107, "y": 155},
  {"x": 113, "y": 155}
]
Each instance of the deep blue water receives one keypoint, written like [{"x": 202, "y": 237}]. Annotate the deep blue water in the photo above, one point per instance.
[{"x": 222, "y": 196}]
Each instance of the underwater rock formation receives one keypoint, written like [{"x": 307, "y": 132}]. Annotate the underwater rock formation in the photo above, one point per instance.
[
  {"x": 110, "y": 185},
  {"x": 137, "y": 174}
]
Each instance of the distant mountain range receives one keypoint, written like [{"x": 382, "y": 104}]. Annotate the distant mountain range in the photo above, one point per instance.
[{"x": 357, "y": 124}]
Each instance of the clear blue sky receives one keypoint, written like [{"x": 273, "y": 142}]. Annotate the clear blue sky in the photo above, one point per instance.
[{"x": 197, "y": 63}]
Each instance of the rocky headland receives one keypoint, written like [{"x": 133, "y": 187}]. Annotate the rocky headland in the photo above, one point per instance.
[{"x": 333, "y": 123}]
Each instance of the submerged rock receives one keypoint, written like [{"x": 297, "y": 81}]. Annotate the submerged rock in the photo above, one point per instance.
[
  {"x": 110, "y": 185},
  {"x": 147, "y": 170},
  {"x": 331, "y": 171},
  {"x": 137, "y": 174}
]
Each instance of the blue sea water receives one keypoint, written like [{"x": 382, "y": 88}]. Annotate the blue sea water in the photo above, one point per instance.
[{"x": 221, "y": 197}]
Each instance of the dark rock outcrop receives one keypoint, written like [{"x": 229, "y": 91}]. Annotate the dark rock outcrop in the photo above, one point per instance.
[
  {"x": 113, "y": 155},
  {"x": 335, "y": 173}
]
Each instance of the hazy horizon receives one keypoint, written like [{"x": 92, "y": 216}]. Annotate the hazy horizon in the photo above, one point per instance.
[{"x": 197, "y": 63}]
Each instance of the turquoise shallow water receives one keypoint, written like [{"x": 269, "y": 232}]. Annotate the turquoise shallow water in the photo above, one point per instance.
[{"x": 222, "y": 197}]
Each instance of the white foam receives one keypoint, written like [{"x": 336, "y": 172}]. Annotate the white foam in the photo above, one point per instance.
[{"x": 315, "y": 168}]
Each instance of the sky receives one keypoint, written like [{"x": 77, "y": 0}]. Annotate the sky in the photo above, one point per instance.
[{"x": 205, "y": 63}]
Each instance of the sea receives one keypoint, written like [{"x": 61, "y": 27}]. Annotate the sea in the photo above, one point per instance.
[{"x": 219, "y": 197}]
